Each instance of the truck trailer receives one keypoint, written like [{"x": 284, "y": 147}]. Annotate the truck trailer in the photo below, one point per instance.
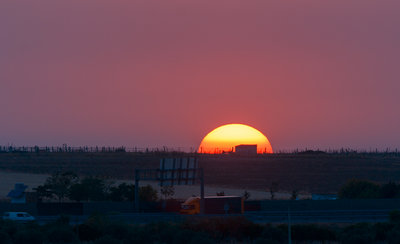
[{"x": 214, "y": 205}]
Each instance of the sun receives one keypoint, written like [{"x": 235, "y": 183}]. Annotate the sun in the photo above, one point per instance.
[{"x": 226, "y": 137}]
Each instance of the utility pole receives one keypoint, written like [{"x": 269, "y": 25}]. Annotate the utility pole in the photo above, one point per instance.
[
  {"x": 201, "y": 191},
  {"x": 289, "y": 227},
  {"x": 137, "y": 190}
]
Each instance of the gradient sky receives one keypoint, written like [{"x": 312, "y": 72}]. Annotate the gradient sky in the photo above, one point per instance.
[{"x": 315, "y": 74}]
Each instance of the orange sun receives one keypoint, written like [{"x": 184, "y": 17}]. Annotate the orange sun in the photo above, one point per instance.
[{"x": 226, "y": 137}]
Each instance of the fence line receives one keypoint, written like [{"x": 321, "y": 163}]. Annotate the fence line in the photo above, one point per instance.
[
  {"x": 109, "y": 149},
  {"x": 95, "y": 149}
]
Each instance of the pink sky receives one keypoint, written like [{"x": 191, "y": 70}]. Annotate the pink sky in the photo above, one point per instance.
[{"x": 316, "y": 74}]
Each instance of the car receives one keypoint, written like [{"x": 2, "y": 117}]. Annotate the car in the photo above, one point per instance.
[{"x": 18, "y": 216}]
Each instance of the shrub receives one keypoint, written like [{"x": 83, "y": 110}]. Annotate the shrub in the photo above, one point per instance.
[
  {"x": 201, "y": 238},
  {"x": 122, "y": 192},
  {"x": 28, "y": 236},
  {"x": 88, "y": 232},
  {"x": 382, "y": 230},
  {"x": 63, "y": 220},
  {"x": 312, "y": 233},
  {"x": 394, "y": 216},
  {"x": 9, "y": 227},
  {"x": 266, "y": 241},
  {"x": 140, "y": 235},
  {"x": 393, "y": 235},
  {"x": 120, "y": 231},
  {"x": 106, "y": 240},
  {"x": 148, "y": 194},
  {"x": 389, "y": 190},
  {"x": 274, "y": 234},
  {"x": 61, "y": 234},
  {"x": 358, "y": 234},
  {"x": 221, "y": 229},
  {"x": 358, "y": 189},
  {"x": 5, "y": 238}
]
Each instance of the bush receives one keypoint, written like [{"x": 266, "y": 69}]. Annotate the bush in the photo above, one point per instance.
[
  {"x": 120, "y": 231},
  {"x": 223, "y": 229},
  {"x": 266, "y": 241},
  {"x": 312, "y": 233},
  {"x": 5, "y": 238},
  {"x": 107, "y": 240},
  {"x": 394, "y": 216},
  {"x": 61, "y": 234},
  {"x": 358, "y": 234},
  {"x": 359, "y": 189},
  {"x": 393, "y": 235},
  {"x": 183, "y": 236},
  {"x": 389, "y": 190},
  {"x": 122, "y": 192},
  {"x": 140, "y": 235},
  {"x": 63, "y": 220},
  {"x": 382, "y": 230},
  {"x": 9, "y": 227},
  {"x": 274, "y": 234},
  {"x": 88, "y": 232},
  {"x": 201, "y": 238},
  {"x": 148, "y": 194},
  {"x": 28, "y": 236}
]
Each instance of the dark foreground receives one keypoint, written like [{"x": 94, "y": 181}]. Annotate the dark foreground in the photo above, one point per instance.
[{"x": 98, "y": 229}]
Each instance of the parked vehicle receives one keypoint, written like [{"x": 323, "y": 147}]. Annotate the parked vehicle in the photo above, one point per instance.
[
  {"x": 18, "y": 216},
  {"x": 214, "y": 205}
]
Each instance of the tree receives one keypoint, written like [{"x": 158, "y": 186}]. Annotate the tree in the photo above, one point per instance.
[
  {"x": 148, "y": 194},
  {"x": 89, "y": 189},
  {"x": 246, "y": 195},
  {"x": 122, "y": 192},
  {"x": 59, "y": 183},
  {"x": 96, "y": 188},
  {"x": 273, "y": 188},
  {"x": 359, "y": 189},
  {"x": 42, "y": 192},
  {"x": 295, "y": 194},
  {"x": 167, "y": 191},
  {"x": 389, "y": 190},
  {"x": 78, "y": 192}
]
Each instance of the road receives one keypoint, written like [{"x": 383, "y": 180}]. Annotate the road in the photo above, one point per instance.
[
  {"x": 325, "y": 216},
  {"x": 296, "y": 217}
]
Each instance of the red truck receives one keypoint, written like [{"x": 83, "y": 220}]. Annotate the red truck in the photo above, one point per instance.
[{"x": 214, "y": 205}]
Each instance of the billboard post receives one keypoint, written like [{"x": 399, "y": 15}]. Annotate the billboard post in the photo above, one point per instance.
[{"x": 172, "y": 171}]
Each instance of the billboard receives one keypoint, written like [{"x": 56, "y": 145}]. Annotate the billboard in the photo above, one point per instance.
[{"x": 178, "y": 171}]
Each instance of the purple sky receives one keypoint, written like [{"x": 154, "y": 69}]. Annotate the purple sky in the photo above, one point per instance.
[{"x": 316, "y": 74}]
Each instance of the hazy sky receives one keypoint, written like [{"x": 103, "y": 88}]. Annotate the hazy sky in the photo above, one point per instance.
[{"x": 316, "y": 74}]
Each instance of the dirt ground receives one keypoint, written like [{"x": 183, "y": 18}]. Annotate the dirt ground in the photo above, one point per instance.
[{"x": 321, "y": 173}]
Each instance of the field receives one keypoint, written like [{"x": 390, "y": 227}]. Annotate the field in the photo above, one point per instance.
[
  {"x": 307, "y": 173},
  {"x": 322, "y": 173}
]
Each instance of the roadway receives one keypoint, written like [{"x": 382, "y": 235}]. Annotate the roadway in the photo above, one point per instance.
[{"x": 296, "y": 217}]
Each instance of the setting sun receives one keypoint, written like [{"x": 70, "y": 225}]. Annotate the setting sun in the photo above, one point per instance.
[{"x": 225, "y": 138}]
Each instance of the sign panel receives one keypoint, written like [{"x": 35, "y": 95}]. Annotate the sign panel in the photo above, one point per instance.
[{"x": 177, "y": 171}]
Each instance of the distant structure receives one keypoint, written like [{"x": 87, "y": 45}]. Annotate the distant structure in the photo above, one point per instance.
[
  {"x": 246, "y": 150},
  {"x": 17, "y": 195},
  {"x": 323, "y": 197}
]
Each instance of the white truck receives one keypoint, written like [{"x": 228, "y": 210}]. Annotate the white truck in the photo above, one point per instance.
[{"x": 18, "y": 216}]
